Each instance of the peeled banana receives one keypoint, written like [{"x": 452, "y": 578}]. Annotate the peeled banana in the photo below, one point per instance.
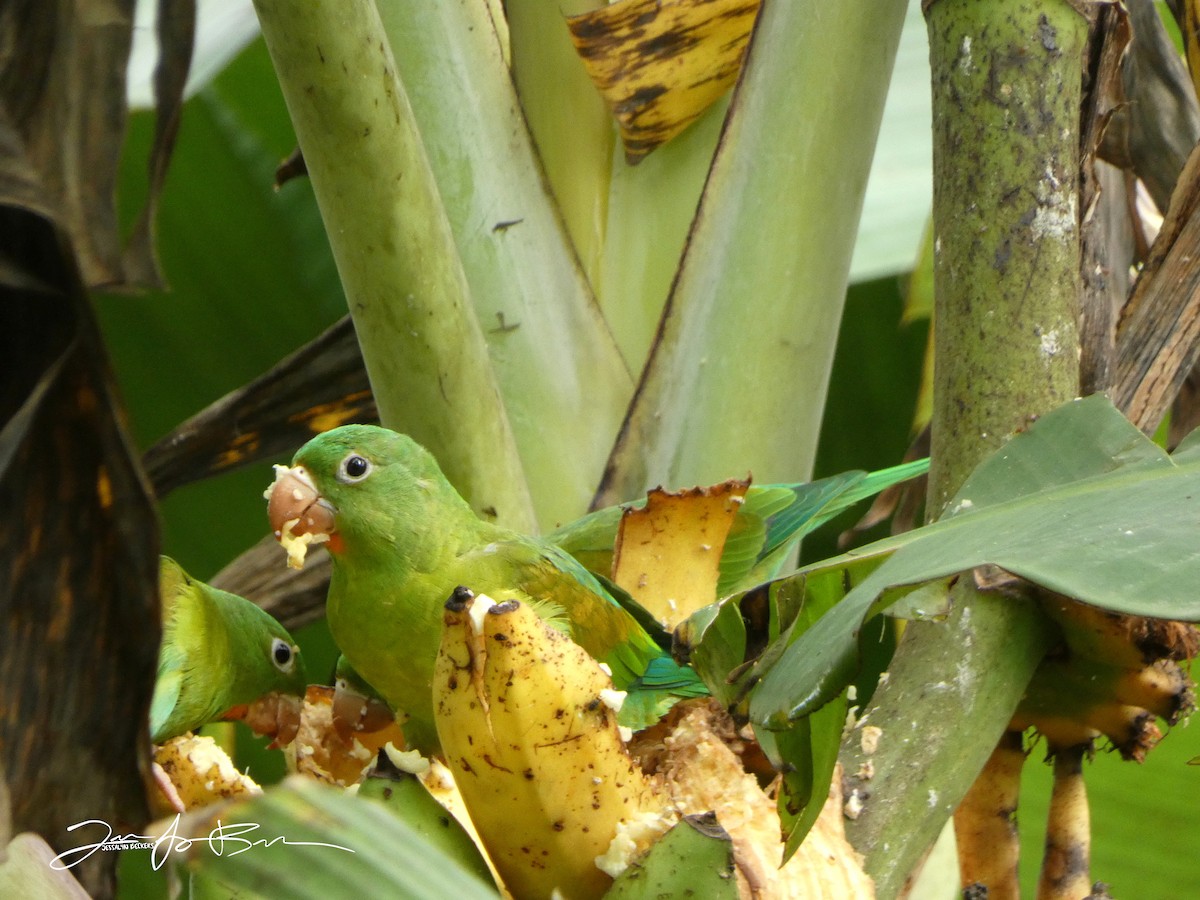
[
  {"x": 528, "y": 724},
  {"x": 985, "y": 823},
  {"x": 193, "y": 771}
]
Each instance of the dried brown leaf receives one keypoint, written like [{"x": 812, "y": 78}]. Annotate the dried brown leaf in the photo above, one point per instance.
[
  {"x": 320, "y": 386},
  {"x": 79, "y": 620}
]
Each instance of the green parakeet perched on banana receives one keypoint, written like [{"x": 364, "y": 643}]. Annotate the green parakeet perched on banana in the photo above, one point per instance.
[
  {"x": 222, "y": 657},
  {"x": 402, "y": 539}
]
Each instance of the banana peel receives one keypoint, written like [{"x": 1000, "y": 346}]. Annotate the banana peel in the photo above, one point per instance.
[
  {"x": 527, "y": 722},
  {"x": 563, "y": 805},
  {"x": 667, "y": 553}
]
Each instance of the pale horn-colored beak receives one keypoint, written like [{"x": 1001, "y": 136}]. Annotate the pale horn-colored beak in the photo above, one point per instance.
[{"x": 298, "y": 514}]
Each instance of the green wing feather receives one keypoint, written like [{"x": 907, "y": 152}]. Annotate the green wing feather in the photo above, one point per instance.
[
  {"x": 768, "y": 525},
  {"x": 590, "y": 539},
  {"x": 563, "y": 592}
]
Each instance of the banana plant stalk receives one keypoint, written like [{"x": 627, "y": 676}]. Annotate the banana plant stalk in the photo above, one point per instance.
[
  {"x": 746, "y": 342},
  {"x": 1006, "y": 84},
  {"x": 564, "y": 382},
  {"x": 393, "y": 245}
]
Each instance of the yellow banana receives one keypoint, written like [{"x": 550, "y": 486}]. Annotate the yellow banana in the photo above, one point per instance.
[
  {"x": 527, "y": 724},
  {"x": 1072, "y": 701},
  {"x": 1066, "y": 864},
  {"x": 985, "y": 823},
  {"x": 1128, "y": 642},
  {"x": 1162, "y": 687}
]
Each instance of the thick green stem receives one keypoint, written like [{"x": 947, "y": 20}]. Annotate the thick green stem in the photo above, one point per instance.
[
  {"x": 948, "y": 698},
  {"x": 1007, "y": 80},
  {"x": 424, "y": 349},
  {"x": 564, "y": 382},
  {"x": 737, "y": 377}
]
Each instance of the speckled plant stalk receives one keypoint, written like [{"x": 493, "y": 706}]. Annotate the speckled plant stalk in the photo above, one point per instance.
[
  {"x": 1006, "y": 96},
  {"x": 424, "y": 349}
]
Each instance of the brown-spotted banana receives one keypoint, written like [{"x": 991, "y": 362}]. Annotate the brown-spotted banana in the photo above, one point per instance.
[{"x": 527, "y": 722}]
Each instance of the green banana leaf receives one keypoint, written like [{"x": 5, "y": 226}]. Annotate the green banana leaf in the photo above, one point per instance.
[
  {"x": 693, "y": 859},
  {"x": 304, "y": 840},
  {"x": 1082, "y": 503}
]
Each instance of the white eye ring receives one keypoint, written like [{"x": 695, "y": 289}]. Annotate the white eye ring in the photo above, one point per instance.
[
  {"x": 354, "y": 468},
  {"x": 283, "y": 655}
]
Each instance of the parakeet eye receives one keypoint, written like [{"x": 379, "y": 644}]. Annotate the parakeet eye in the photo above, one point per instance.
[
  {"x": 353, "y": 468},
  {"x": 283, "y": 655}
]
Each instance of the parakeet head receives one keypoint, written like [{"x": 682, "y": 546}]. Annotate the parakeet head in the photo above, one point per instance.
[
  {"x": 357, "y": 487},
  {"x": 274, "y": 660},
  {"x": 222, "y": 656}
]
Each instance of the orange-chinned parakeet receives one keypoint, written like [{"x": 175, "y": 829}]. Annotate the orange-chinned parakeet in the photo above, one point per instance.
[
  {"x": 402, "y": 539},
  {"x": 222, "y": 657}
]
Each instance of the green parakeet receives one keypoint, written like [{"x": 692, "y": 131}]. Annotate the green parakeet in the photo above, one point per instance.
[
  {"x": 402, "y": 539},
  {"x": 222, "y": 657},
  {"x": 767, "y": 527}
]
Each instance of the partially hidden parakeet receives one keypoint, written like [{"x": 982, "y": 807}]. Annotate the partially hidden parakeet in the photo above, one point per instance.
[
  {"x": 402, "y": 539},
  {"x": 766, "y": 528},
  {"x": 222, "y": 657},
  {"x": 356, "y": 706}
]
